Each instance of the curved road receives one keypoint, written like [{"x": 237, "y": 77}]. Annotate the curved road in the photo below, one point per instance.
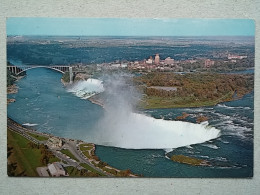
[{"x": 70, "y": 145}]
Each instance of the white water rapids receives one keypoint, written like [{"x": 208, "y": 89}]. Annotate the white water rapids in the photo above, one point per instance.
[
  {"x": 124, "y": 128},
  {"x": 86, "y": 89}
]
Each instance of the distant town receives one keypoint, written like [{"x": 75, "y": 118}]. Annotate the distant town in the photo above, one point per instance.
[{"x": 155, "y": 64}]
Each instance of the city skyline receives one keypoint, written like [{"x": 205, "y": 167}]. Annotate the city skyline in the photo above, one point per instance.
[{"x": 129, "y": 27}]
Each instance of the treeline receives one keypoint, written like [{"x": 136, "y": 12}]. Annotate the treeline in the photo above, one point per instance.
[
  {"x": 11, "y": 77},
  {"x": 237, "y": 65},
  {"x": 198, "y": 86},
  {"x": 66, "y": 77},
  {"x": 46, "y": 155},
  {"x": 12, "y": 166}
]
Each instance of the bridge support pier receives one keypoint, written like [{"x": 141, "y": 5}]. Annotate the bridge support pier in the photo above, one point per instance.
[{"x": 71, "y": 74}]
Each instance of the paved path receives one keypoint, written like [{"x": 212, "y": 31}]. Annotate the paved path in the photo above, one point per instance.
[{"x": 70, "y": 145}]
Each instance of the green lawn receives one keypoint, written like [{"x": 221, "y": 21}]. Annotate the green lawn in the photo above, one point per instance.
[
  {"x": 27, "y": 159},
  {"x": 72, "y": 171},
  {"x": 85, "y": 148},
  {"x": 160, "y": 102},
  {"x": 68, "y": 153},
  {"x": 112, "y": 171},
  {"x": 86, "y": 153},
  {"x": 86, "y": 166},
  {"x": 39, "y": 137},
  {"x": 153, "y": 102}
]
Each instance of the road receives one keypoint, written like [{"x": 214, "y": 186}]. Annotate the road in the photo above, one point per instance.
[{"x": 70, "y": 145}]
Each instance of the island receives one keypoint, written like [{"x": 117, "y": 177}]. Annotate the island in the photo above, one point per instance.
[
  {"x": 174, "y": 90},
  {"x": 171, "y": 90}
]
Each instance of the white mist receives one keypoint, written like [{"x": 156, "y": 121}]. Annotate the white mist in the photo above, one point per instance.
[{"x": 121, "y": 126}]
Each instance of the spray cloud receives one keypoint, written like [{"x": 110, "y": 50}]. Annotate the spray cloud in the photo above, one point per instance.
[{"x": 123, "y": 127}]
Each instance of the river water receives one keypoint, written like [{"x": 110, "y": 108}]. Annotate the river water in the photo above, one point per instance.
[{"x": 44, "y": 102}]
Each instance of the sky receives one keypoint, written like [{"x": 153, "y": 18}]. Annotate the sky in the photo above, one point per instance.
[{"x": 129, "y": 27}]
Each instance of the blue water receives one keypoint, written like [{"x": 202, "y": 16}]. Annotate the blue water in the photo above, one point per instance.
[
  {"x": 43, "y": 100},
  {"x": 231, "y": 155}
]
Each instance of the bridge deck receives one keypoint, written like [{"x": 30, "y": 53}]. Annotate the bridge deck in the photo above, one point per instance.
[{"x": 19, "y": 69}]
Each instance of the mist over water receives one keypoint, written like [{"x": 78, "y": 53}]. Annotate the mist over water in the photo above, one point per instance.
[
  {"x": 86, "y": 89},
  {"x": 137, "y": 131},
  {"x": 123, "y": 126}
]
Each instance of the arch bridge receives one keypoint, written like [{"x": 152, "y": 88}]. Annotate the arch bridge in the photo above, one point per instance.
[{"x": 62, "y": 69}]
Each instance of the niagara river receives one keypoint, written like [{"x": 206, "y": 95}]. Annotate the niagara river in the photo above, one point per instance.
[{"x": 140, "y": 140}]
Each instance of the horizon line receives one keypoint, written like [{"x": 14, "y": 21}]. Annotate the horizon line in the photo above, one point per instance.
[{"x": 132, "y": 35}]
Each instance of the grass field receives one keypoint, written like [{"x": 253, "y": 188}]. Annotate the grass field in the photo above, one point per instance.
[
  {"x": 27, "y": 159},
  {"x": 68, "y": 153},
  {"x": 153, "y": 102},
  {"x": 73, "y": 172},
  {"x": 40, "y": 138},
  {"x": 86, "y": 166},
  {"x": 85, "y": 148}
]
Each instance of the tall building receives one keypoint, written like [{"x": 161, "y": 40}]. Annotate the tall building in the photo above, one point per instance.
[
  {"x": 157, "y": 59},
  {"x": 169, "y": 61}
]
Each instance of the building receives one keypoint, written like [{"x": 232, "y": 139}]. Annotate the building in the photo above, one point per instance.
[
  {"x": 230, "y": 57},
  {"x": 169, "y": 61},
  {"x": 124, "y": 65},
  {"x": 208, "y": 63},
  {"x": 115, "y": 66},
  {"x": 56, "y": 170},
  {"x": 149, "y": 61},
  {"x": 54, "y": 142},
  {"x": 192, "y": 61},
  {"x": 157, "y": 59}
]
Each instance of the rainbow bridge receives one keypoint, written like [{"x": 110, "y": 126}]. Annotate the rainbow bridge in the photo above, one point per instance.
[{"x": 62, "y": 69}]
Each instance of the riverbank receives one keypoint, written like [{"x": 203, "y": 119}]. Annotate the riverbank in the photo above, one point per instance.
[
  {"x": 178, "y": 102},
  {"x": 13, "y": 89},
  {"x": 64, "y": 82},
  {"x": 169, "y": 90},
  {"x": 82, "y": 154},
  {"x": 95, "y": 99}
]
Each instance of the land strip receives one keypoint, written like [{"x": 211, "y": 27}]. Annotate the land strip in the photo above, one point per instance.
[{"x": 69, "y": 155}]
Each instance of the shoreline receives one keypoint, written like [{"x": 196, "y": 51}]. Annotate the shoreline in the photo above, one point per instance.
[
  {"x": 92, "y": 99},
  {"x": 90, "y": 159},
  {"x": 64, "y": 83},
  {"x": 144, "y": 105},
  {"x": 13, "y": 89},
  {"x": 194, "y": 106},
  {"x": 96, "y": 101}
]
